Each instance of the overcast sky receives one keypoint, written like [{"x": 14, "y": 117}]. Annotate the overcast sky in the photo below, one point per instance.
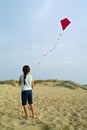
[{"x": 30, "y": 28}]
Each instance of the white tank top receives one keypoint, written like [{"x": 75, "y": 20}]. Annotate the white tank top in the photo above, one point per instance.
[{"x": 28, "y": 82}]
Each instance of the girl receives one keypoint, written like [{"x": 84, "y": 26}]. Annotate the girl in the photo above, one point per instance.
[{"x": 27, "y": 84}]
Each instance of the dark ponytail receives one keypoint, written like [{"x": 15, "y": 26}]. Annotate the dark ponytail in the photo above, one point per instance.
[{"x": 26, "y": 70}]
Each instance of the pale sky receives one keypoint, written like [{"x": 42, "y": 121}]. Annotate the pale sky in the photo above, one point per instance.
[{"x": 30, "y": 28}]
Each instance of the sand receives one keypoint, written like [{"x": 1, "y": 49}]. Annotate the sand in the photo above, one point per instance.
[{"x": 57, "y": 108}]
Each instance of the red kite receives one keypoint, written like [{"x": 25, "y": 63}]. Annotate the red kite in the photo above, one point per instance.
[{"x": 64, "y": 23}]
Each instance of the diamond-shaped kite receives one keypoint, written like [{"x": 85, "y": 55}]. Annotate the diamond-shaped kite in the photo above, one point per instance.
[{"x": 64, "y": 23}]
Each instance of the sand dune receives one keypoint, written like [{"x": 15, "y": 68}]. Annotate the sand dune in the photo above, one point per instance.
[{"x": 57, "y": 108}]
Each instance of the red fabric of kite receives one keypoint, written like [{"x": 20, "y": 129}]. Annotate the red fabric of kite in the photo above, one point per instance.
[{"x": 64, "y": 23}]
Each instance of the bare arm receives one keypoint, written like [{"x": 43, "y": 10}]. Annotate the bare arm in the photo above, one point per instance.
[
  {"x": 19, "y": 81},
  {"x": 32, "y": 83}
]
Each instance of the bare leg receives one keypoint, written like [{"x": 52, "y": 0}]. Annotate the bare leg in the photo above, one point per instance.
[
  {"x": 26, "y": 111},
  {"x": 33, "y": 110}
]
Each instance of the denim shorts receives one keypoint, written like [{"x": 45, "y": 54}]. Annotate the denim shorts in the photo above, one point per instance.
[{"x": 26, "y": 97}]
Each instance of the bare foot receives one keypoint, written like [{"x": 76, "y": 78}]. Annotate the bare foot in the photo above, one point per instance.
[
  {"x": 27, "y": 118},
  {"x": 34, "y": 116}
]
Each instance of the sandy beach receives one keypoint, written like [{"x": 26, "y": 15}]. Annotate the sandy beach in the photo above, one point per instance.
[{"x": 57, "y": 108}]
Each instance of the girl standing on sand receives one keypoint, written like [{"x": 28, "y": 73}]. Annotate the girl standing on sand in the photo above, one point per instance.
[{"x": 27, "y": 84}]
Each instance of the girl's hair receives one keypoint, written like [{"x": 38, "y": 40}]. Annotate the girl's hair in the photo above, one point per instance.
[{"x": 26, "y": 70}]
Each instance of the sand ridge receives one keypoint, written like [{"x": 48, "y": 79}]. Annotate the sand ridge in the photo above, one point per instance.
[{"x": 57, "y": 108}]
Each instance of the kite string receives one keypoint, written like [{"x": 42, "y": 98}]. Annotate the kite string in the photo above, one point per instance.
[{"x": 49, "y": 51}]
